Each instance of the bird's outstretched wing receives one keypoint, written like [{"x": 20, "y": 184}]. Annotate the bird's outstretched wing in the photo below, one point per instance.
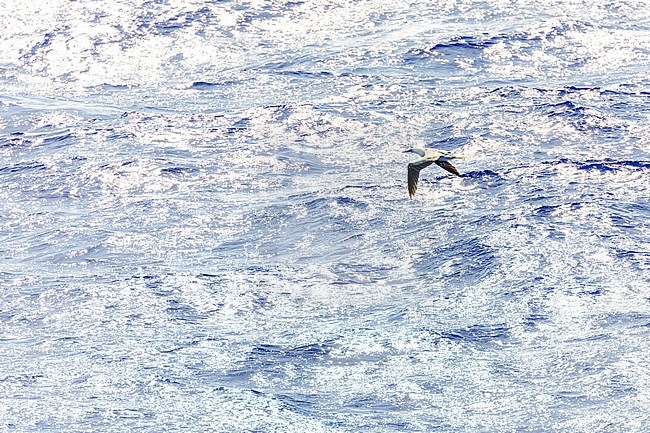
[
  {"x": 447, "y": 166},
  {"x": 414, "y": 174}
]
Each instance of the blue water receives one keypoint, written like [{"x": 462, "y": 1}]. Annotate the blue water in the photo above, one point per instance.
[{"x": 205, "y": 225}]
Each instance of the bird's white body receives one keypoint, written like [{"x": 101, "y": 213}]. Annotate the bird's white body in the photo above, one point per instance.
[
  {"x": 435, "y": 154},
  {"x": 429, "y": 156}
]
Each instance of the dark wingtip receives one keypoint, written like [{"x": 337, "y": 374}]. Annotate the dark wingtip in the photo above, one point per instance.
[{"x": 447, "y": 166}]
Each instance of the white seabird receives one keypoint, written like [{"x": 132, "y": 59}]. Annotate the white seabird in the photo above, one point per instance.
[{"x": 429, "y": 156}]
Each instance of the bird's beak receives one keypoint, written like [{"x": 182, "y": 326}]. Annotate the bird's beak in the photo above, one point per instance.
[{"x": 406, "y": 151}]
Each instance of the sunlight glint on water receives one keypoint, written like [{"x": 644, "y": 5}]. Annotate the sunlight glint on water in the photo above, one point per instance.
[{"x": 204, "y": 221}]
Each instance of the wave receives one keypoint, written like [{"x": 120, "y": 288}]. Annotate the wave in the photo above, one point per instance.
[
  {"x": 483, "y": 174},
  {"x": 612, "y": 165},
  {"x": 14, "y": 139},
  {"x": 477, "y": 334},
  {"x": 39, "y": 48},
  {"x": 23, "y": 166},
  {"x": 478, "y": 260},
  {"x": 270, "y": 353},
  {"x": 207, "y": 85},
  {"x": 149, "y": 23},
  {"x": 623, "y": 89},
  {"x": 604, "y": 165},
  {"x": 455, "y": 44},
  {"x": 460, "y": 43}
]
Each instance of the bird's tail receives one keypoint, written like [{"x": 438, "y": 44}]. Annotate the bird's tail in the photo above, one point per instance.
[{"x": 457, "y": 156}]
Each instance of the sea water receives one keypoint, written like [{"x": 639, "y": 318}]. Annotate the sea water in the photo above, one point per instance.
[{"x": 205, "y": 225}]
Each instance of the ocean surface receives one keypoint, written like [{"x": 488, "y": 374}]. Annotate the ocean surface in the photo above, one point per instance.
[{"x": 205, "y": 225}]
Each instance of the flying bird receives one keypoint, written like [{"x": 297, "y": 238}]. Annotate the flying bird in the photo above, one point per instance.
[{"x": 428, "y": 157}]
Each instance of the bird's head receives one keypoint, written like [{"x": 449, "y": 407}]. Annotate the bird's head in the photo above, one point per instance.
[{"x": 416, "y": 151}]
